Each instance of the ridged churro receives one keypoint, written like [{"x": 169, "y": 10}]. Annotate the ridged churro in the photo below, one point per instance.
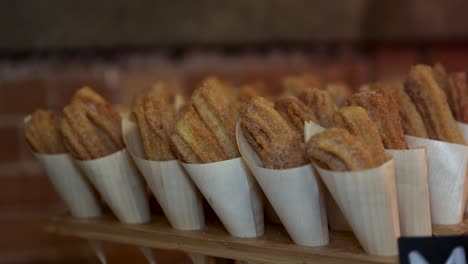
[
  {"x": 431, "y": 102},
  {"x": 90, "y": 127},
  {"x": 42, "y": 133},
  {"x": 356, "y": 120},
  {"x": 192, "y": 141},
  {"x": 155, "y": 116},
  {"x": 277, "y": 144},
  {"x": 294, "y": 112},
  {"x": 338, "y": 150},
  {"x": 215, "y": 105},
  {"x": 383, "y": 111}
]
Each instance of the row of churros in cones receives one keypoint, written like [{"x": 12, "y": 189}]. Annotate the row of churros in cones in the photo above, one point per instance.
[{"x": 220, "y": 139}]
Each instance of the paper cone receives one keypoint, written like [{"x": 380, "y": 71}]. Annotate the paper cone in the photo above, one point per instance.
[
  {"x": 295, "y": 195},
  {"x": 412, "y": 191},
  {"x": 117, "y": 180},
  {"x": 368, "y": 200},
  {"x": 232, "y": 193},
  {"x": 98, "y": 248},
  {"x": 149, "y": 254},
  {"x": 464, "y": 130},
  {"x": 446, "y": 164},
  {"x": 177, "y": 195},
  {"x": 335, "y": 217},
  {"x": 70, "y": 185},
  {"x": 201, "y": 259}
]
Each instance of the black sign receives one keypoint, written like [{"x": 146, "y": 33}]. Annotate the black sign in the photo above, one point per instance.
[{"x": 431, "y": 250}]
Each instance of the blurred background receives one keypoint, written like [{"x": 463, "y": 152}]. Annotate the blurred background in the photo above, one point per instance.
[{"x": 50, "y": 48}]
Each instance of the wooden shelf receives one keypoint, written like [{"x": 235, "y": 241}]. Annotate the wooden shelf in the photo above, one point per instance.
[{"x": 274, "y": 247}]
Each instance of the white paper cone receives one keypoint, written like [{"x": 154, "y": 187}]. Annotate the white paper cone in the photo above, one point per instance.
[
  {"x": 99, "y": 250},
  {"x": 70, "y": 185},
  {"x": 117, "y": 180},
  {"x": 464, "y": 130},
  {"x": 232, "y": 193},
  {"x": 412, "y": 191},
  {"x": 177, "y": 195},
  {"x": 335, "y": 217},
  {"x": 296, "y": 196},
  {"x": 149, "y": 254},
  {"x": 447, "y": 169},
  {"x": 368, "y": 200},
  {"x": 201, "y": 259}
]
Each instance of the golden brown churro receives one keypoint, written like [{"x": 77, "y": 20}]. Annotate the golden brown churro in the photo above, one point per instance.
[
  {"x": 411, "y": 119},
  {"x": 296, "y": 84},
  {"x": 384, "y": 112},
  {"x": 294, "y": 112},
  {"x": 356, "y": 120},
  {"x": 155, "y": 117},
  {"x": 431, "y": 102},
  {"x": 321, "y": 103},
  {"x": 216, "y": 108},
  {"x": 457, "y": 94},
  {"x": 192, "y": 141},
  {"x": 42, "y": 133},
  {"x": 91, "y": 128},
  {"x": 339, "y": 91},
  {"x": 270, "y": 136},
  {"x": 338, "y": 150},
  {"x": 170, "y": 91}
]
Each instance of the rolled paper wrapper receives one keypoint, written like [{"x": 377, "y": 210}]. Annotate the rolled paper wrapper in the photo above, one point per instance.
[
  {"x": 295, "y": 194},
  {"x": 201, "y": 259},
  {"x": 233, "y": 194},
  {"x": 70, "y": 185},
  {"x": 149, "y": 254},
  {"x": 98, "y": 248},
  {"x": 464, "y": 130},
  {"x": 368, "y": 200},
  {"x": 117, "y": 180},
  {"x": 447, "y": 170},
  {"x": 177, "y": 195},
  {"x": 336, "y": 219},
  {"x": 412, "y": 192},
  {"x": 412, "y": 185}
]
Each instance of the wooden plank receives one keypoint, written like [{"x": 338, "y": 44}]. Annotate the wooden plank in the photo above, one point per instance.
[
  {"x": 274, "y": 247},
  {"x": 451, "y": 230}
]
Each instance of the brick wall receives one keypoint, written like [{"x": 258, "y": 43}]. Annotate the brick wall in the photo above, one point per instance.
[{"x": 26, "y": 196}]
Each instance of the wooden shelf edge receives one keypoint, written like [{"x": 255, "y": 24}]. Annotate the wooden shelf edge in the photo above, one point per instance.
[{"x": 274, "y": 247}]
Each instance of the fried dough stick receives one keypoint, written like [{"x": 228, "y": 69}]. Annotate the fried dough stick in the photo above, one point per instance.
[
  {"x": 42, "y": 133},
  {"x": 431, "y": 102},
  {"x": 338, "y": 150},
  {"x": 276, "y": 143}
]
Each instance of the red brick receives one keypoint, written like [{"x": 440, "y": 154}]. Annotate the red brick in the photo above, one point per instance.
[
  {"x": 455, "y": 58},
  {"x": 21, "y": 96},
  {"x": 27, "y": 192},
  {"x": 394, "y": 61},
  {"x": 9, "y": 142}
]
